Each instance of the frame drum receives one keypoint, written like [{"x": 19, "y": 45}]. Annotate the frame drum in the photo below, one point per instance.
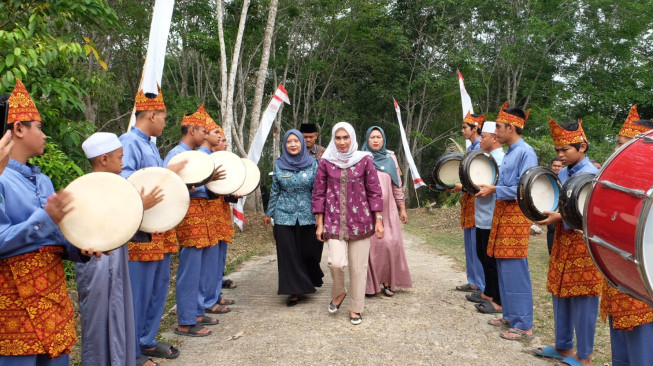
[
  {"x": 572, "y": 200},
  {"x": 445, "y": 172},
  {"x": 107, "y": 211},
  {"x": 168, "y": 213},
  {"x": 235, "y": 171},
  {"x": 199, "y": 167},
  {"x": 538, "y": 191},
  {"x": 252, "y": 178},
  {"x": 618, "y": 223},
  {"x": 478, "y": 167}
]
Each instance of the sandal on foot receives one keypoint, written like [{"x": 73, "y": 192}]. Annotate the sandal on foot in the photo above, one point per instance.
[
  {"x": 387, "y": 291},
  {"x": 162, "y": 350},
  {"x": 207, "y": 320},
  {"x": 570, "y": 361},
  {"x": 521, "y": 335},
  {"x": 475, "y": 297},
  {"x": 486, "y": 307},
  {"x": 143, "y": 359},
  {"x": 221, "y": 309},
  {"x": 548, "y": 352},
  {"x": 226, "y": 302},
  {"x": 503, "y": 322},
  {"x": 465, "y": 288},
  {"x": 356, "y": 320},
  {"x": 334, "y": 308},
  {"x": 229, "y": 284},
  {"x": 193, "y": 331}
]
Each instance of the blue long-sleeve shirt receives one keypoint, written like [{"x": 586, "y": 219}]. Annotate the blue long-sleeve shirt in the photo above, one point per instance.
[
  {"x": 519, "y": 158},
  {"x": 24, "y": 225},
  {"x": 139, "y": 151},
  {"x": 484, "y": 207},
  {"x": 198, "y": 192},
  {"x": 474, "y": 145},
  {"x": 583, "y": 166}
]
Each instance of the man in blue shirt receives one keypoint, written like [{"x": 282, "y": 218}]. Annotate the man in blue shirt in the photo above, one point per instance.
[{"x": 510, "y": 231}]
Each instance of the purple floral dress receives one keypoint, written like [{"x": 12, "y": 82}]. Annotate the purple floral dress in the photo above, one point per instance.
[{"x": 347, "y": 198}]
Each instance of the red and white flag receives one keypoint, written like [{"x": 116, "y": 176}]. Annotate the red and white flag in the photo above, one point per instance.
[
  {"x": 254, "y": 154},
  {"x": 466, "y": 100},
  {"x": 417, "y": 181}
]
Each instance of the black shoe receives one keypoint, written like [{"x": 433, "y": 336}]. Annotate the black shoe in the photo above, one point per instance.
[
  {"x": 334, "y": 308},
  {"x": 356, "y": 320},
  {"x": 292, "y": 302}
]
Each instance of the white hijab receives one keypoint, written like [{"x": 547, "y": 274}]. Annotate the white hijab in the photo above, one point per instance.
[{"x": 346, "y": 159}]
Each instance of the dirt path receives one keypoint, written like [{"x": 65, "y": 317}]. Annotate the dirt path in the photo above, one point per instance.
[{"x": 430, "y": 324}]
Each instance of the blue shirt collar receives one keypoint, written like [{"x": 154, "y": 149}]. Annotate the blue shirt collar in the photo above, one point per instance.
[
  {"x": 140, "y": 133},
  {"x": 517, "y": 144},
  {"x": 579, "y": 166},
  {"x": 28, "y": 170},
  {"x": 184, "y": 146},
  {"x": 205, "y": 150}
]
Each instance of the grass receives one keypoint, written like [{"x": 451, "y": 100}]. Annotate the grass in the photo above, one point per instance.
[{"x": 441, "y": 230}]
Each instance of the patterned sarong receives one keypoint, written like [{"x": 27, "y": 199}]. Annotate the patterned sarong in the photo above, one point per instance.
[
  {"x": 193, "y": 230},
  {"x": 467, "y": 220},
  {"x": 221, "y": 219},
  {"x": 626, "y": 311},
  {"x": 510, "y": 231}
]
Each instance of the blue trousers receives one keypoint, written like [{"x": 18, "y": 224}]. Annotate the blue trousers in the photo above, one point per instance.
[
  {"x": 193, "y": 265},
  {"x": 516, "y": 292},
  {"x": 475, "y": 275},
  {"x": 631, "y": 347},
  {"x": 34, "y": 360},
  {"x": 150, "y": 281},
  {"x": 575, "y": 315},
  {"x": 212, "y": 298},
  {"x": 209, "y": 282}
]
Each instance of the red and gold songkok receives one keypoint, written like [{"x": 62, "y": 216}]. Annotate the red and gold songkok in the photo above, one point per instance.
[
  {"x": 630, "y": 129},
  {"x": 563, "y": 137},
  {"x": 516, "y": 121},
  {"x": 143, "y": 103},
  {"x": 476, "y": 121},
  {"x": 197, "y": 119},
  {"x": 21, "y": 105}
]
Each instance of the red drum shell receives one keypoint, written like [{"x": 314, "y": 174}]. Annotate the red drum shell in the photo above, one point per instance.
[{"x": 615, "y": 218}]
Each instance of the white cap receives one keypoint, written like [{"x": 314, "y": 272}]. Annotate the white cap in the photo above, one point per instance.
[
  {"x": 100, "y": 143},
  {"x": 489, "y": 127}
]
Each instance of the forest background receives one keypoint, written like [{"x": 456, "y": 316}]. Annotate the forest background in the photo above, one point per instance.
[{"x": 339, "y": 60}]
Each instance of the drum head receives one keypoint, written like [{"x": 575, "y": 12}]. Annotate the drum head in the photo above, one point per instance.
[
  {"x": 199, "y": 167},
  {"x": 107, "y": 211},
  {"x": 235, "y": 172},
  {"x": 538, "y": 191},
  {"x": 252, "y": 178},
  {"x": 176, "y": 200},
  {"x": 445, "y": 172},
  {"x": 572, "y": 202},
  {"x": 478, "y": 167}
]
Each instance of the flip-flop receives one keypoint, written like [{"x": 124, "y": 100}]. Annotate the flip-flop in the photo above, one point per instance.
[
  {"x": 193, "y": 331},
  {"x": 548, "y": 352},
  {"x": 161, "y": 351},
  {"x": 465, "y": 288},
  {"x": 570, "y": 361},
  {"x": 501, "y": 322},
  {"x": 486, "y": 307},
  {"x": 207, "y": 320},
  {"x": 141, "y": 361},
  {"x": 221, "y": 309},
  {"x": 226, "y": 302},
  {"x": 522, "y": 335},
  {"x": 475, "y": 297}
]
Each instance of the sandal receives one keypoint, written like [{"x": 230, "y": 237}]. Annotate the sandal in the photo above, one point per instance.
[
  {"x": 503, "y": 322},
  {"x": 162, "y": 350},
  {"x": 465, "y": 288},
  {"x": 548, "y": 352},
  {"x": 387, "y": 291},
  {"x": 193, "y": 331},
  {"x": 521, "y": 335},
  {"x": 207, "y": 320},
  {"x": 143, "y": 359},
  {"x": 221, "y": 309},
  {"x": 569, "y": 361},
  {"x": 486, "y": 307},
  {"x": 226, "y": 302}
]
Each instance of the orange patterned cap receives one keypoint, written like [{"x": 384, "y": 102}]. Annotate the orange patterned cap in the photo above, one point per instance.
[
  {"x": 504, "y": 117},
  {"x": 630, "y": 129},
  {"x": 21, "y": 105},
  {"x": 192, "y": 120},
  {"x": 476, "y": 121},
  {"x": 563, "y": 137},
  {"x": 143, "y": 103},
  {"x": 209, "y": 123}
]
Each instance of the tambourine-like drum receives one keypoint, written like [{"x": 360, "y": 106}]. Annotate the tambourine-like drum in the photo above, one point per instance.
[
  {"x": 445, "y": 171},
  {"x": 572, "y": 200},
  {"x": 618, "y": 223},
  {"x": 252, "y": 178},
  {"x": 168, "y": 213},
  {"x": 199, "y": 167},
  {"x": 538, "y": 191},
  {"x": 106, "y": 212},
  {"x": 478, "y": 167},
  {"x": 235, "y": 173}
]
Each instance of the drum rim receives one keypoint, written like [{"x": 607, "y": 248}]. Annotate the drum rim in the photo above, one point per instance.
[
  {"x": 467, "y": 183},
  {"x": 240, "y": 159},
  {"x": 259, "y": 178},
  {"x": 639, "y": 243},
  {"x": 565, "y": 208},
  {"x": 527, "y": 202},
  {"x": 453, "y": 155}
]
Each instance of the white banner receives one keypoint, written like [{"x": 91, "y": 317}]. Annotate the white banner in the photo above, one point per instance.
[
  {"x": 256, "y": 149},
  {"x": 156, "y": 49},
  {"x": 417, "y": 181},
  {"x": 466, "y": 101}
]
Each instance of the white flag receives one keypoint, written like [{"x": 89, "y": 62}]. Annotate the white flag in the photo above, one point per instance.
[
  {"x": 466, "y": 101},
  {"x": 280, "y": 96},
  {"x": 417, "y": 181},
  {"x": 156, "y": 49}
]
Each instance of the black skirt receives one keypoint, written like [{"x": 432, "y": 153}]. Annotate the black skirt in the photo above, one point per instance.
[{"x": 298, "y": 258}]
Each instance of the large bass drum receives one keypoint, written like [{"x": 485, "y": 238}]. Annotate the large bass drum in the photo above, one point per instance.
[
  {"x": 572, "y": 200},
  {"x": 478, "y": 167},
  {"x": 618, "y": 223},
  {"x": 538, "y": 191},
  {"x": 445, "y": 172}
]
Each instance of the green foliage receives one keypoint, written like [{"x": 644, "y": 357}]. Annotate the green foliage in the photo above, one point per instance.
[{"x": 56, "y": 165}]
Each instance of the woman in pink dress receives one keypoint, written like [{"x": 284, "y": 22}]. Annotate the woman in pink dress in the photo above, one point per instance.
[{"x": 387, "y": 267}]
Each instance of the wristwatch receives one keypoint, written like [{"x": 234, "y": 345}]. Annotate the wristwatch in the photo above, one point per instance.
[{"x": 379, "y": 217}]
